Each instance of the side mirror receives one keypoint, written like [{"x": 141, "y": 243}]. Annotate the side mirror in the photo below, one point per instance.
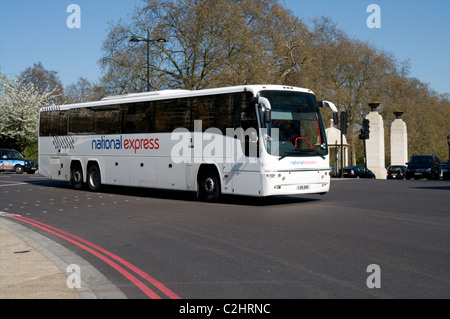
[
  {"x": 335, "y": 118},
  {"x": 267, "y": 116},
  {"x": 265, "y": 104},
  {"x": 332, "y": 107}
]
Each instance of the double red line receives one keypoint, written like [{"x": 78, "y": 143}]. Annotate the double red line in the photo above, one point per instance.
[{"x": 104, "y": 255}]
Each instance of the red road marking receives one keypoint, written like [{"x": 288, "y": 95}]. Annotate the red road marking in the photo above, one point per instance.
[{"x": 124, "y": 272}]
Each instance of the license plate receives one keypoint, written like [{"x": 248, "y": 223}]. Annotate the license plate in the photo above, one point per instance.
[
  {"x": 303, "y": 187},
  {"x": 417, "y": 173}
]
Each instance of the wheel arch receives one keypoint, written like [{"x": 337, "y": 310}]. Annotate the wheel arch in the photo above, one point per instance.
[{"x": 204, "y": 168}]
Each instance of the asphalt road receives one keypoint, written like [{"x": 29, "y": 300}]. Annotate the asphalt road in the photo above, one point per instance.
[{"x": 391, "y": 235}]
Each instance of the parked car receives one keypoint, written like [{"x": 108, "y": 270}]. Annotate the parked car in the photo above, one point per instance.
[
  {"x": 13, "y": 161},
  {"x": 424, "y": 166},
  {"x": 445, "y": 170},
  {"x": 358, "y": 172},
  {"x": 396, "y": 172}
]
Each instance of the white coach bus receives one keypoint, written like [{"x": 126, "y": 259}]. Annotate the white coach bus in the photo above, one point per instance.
[{"x": 257, "y": 140}]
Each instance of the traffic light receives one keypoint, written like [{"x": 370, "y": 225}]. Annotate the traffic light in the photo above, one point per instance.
[
  {"x": 365, "y": 130},
  {"x": 344, "y": 122}
]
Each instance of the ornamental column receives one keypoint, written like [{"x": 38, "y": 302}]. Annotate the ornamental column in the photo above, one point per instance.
[
  {"x": 375, "y": 143},
  {"x": 399, "y": 141}
]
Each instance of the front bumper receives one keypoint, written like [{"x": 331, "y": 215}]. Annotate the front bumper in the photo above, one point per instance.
[{"x": 296, "y": 182}]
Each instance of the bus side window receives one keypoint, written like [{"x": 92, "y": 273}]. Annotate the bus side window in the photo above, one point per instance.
[
  {"x": 62, "y": 123},
  {"x": 107, "y": 120},
  {"x": 223, "y": 116},
  {"x": 44, "y": 123},
  {"x": 248, "y": 122},
  {"x": 81, "y": 121},
  {"x": 172, "y": 114}
]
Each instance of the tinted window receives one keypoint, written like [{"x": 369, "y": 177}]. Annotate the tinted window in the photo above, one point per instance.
[
  {"x": 138, "y": 117},
  {"x": 48, "y": 124},
  {"x": 421, "y": 160},
  {"x": 219, "y": 111},
  {"x": 81, "y": 121},
  {"x": 63, "y": 122},
  {"x": 107, "y": 120},
  {"x": 225, "y": 111},
  {"x": 172, "y": 114}
]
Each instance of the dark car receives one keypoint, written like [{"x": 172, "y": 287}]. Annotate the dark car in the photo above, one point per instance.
[
  {"x": 358, "y": 172},
  {"x": 445, "y": 170},
  {"x": 396, "y": 172},
  {"x": 424, "y": 166},
  {"x": 13, "y": 161}
]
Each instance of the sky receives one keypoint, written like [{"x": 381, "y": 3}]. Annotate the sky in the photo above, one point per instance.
[{"x": 33, "y": 31}]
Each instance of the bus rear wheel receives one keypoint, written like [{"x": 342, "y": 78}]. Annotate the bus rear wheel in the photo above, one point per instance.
[
  {"x": 76, "y": 178},
  {"x": 93, "y": 178},
  {"x": 208, "y": 186}
]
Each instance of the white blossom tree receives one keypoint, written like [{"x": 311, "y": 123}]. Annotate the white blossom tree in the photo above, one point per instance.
[{"x": 19, "y": 112}]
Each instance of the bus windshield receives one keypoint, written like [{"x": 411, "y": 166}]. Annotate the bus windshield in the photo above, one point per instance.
[{"x": 296, "y": 126}]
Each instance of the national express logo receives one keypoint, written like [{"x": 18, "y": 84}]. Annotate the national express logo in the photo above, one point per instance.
[
  {"x": 127, "y": 144},
  {"x": 304, "y": 162}
]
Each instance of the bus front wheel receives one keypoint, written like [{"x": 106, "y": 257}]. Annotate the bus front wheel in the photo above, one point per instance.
[
  {"x": 208, "y": 186},
  {"x": 94, "y": 181}
]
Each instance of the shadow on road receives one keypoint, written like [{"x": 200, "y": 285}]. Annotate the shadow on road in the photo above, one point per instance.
[{"x": 181, "y": 195}]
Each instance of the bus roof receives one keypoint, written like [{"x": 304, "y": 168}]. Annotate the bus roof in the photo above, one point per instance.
[{"x": 176, "y": 93}]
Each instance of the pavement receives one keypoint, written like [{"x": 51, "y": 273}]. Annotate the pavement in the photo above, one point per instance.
[{"x": 33, "y": 266}]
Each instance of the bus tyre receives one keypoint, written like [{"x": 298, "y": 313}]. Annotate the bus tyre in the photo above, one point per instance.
[
  {"x": 93, "y": 178},
  {"x": 208, "y": 186},
  {"x": 76, "y": 178}
]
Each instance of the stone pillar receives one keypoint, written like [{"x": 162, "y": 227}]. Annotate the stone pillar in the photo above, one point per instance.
[
  {"x": 375, "y": 143},
  {"x": 399, "y": 141}
]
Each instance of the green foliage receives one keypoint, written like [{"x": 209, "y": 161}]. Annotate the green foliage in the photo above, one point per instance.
[{"x": 19, "y": 109}]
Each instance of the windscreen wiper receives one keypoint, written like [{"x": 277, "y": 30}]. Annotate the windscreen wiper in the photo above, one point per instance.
[{"x": 295, "y": 152}]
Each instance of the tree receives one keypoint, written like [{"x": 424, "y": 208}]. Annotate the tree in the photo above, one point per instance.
[
  {"x": 349, "y": 72},
  {"x": 19, "y": 107},
  {"x": 426, "y": 114},
  {"x": 83, "y": 91},
  {"x": 44, "y": 81},
  {"x": 211, "y": 43},
  {"x": 214, "y": 43}
]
